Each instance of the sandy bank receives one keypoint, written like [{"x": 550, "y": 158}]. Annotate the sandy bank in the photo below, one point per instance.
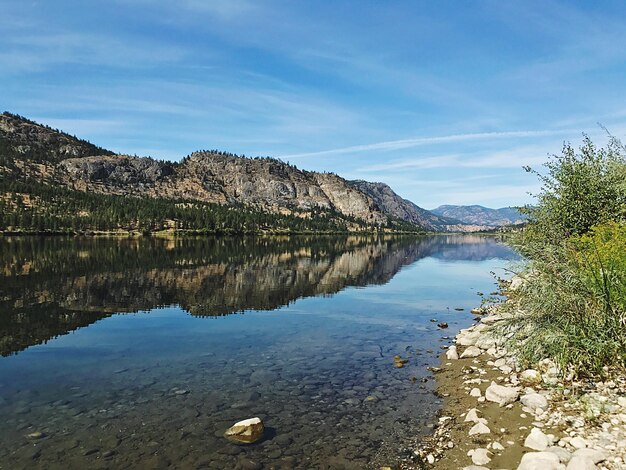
[{"x": 499, "y": 415}]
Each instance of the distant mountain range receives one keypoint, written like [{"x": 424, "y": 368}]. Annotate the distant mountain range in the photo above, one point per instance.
[
  {"x": 44, "y": 171},
  {"x": 480, "y": 215}
]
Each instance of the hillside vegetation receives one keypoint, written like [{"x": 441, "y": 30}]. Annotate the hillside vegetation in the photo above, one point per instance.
[
  {"x": 574, "y": 293},
  {"x": 51, "y": 181}
]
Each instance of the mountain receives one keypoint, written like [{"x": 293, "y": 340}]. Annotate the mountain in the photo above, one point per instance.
[
  {"x": 480, "y": 215},
  {"x": 392, "y": 204},
  {"x": 50, "y": 180},
  {"x": 215, "y": 177}
]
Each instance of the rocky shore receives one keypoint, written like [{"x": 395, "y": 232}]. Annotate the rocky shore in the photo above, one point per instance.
[{"x": 500, "y": 415}]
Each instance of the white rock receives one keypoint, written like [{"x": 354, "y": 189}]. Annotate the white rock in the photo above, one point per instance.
[
  {"x": 530, "y": 376},
  {"x": 485, "y": 342},
  {"x": 479, "y": 428},
  {"x": 500, "y": 362},
  {"x": 475, "y": 467},
  {"x": 467, "y": 338},
  {"x": 540, "y": 461},
  {"x": 248, "y": 431},
  {"x": 516, "y": 283},
  {"x": 480, "y": 457},
  {"x": 491, "y": 319},
  {"x": 563, "y": 454},
  {"x": 451, "y": 353},
  {"x": 475, "y": 392},
  {"x": 581, "y": 463},
  {"x": 537, "y": 440},
  {"x": 596, "y": 456},
  {"x": 534, "y": 401},
  {"x": 578, "y": 442},
  {"x": 497, "y": 446},
  {"x": 471, "y": 351},
  {"x": 472, "y": 416},
  {"x": 501, "y": 394}
]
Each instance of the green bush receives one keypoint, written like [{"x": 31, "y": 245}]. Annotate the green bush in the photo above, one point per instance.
[
  {"x": 574, "y": 294},
  {"x": 573, "y": 304},
  {"x": 601, "y": 257},
  {"x": 580, "y": 190}
]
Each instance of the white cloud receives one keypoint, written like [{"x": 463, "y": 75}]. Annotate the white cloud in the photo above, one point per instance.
[{"x": 415, "y": 142}]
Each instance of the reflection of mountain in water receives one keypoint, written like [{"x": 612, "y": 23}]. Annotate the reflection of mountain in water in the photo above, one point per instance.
[
  {"x": 466, "y": 248},
  {"x": 50, "y": 286}
]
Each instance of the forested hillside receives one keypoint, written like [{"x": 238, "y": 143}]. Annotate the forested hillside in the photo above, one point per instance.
[{"x": 53, "y": 182}]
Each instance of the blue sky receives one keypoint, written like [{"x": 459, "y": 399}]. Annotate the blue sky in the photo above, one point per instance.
[{"x": 443, "y": 100}]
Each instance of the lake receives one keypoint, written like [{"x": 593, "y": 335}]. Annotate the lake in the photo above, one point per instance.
[{"x": 140, "y": 353}]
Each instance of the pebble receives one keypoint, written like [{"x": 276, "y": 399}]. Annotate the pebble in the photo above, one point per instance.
[
  {"x": 480, "y": 456},
  {"x": 497, "y": 446},
  {"x": 578, "y": 442},
  {"x": 479, "y": 428},
  {"x": 472, "y": 416}
]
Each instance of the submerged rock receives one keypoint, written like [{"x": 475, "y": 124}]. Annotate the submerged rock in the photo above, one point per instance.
[
  {"x": 246, "y": 431},
  {"x": 398, "y": 362}
]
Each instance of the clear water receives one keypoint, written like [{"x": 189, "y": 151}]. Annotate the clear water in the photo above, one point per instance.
[{"x": 141, "y": 353}]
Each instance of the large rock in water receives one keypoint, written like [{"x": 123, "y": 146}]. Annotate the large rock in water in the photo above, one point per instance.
[{"x": 246, "y": 431}]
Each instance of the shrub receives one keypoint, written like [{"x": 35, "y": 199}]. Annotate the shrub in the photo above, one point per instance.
[
  {"x": 574, "y": 297},
  {"x": 580, "y": 190},
  {"x": 573, "y": 303}
]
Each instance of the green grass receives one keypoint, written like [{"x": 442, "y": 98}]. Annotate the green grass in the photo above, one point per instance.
[{"x": 574, "y": 303}]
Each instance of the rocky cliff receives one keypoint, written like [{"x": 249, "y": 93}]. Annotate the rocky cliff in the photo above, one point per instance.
[
  {"x": 24, "y": 139},
  {"x": 45, "y": 155},
  {"x": 394, "y": 205}
]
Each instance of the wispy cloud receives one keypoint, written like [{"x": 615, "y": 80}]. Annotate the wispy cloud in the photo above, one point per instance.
[
  {"x": 415, "y": 142},
  {"x": 41, "y": 50}
]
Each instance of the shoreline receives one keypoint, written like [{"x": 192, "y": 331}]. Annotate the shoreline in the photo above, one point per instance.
[{"x": 498, "y": 414}]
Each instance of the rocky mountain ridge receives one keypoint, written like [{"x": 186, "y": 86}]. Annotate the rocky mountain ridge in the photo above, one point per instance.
[
  {"x": 39, "y": 153},
  {"x": 480, "y": 215},
  {"x": 392, "y": 203}
]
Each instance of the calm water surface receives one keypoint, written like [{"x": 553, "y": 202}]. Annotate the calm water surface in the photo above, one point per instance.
[{"x": 141, "y": 353}]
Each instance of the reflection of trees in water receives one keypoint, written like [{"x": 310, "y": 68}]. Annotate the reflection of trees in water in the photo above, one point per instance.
[{"x": 50, "y": 286}]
